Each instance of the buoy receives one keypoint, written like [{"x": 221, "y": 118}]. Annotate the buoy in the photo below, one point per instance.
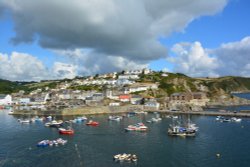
[
  {"x": 242, "y": 126},
  {"x": 217, "y": 155}
]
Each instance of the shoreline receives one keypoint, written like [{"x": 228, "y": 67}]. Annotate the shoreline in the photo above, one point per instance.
[{"x": 167, "y": 112}]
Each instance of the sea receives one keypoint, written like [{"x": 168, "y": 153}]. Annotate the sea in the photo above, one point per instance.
[{"x": 96, "y": 146}]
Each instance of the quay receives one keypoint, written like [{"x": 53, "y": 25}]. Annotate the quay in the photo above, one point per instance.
[{"x": 205, "y": 113}]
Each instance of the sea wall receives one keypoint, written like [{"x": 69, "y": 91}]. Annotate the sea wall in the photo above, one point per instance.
[{"x": 100, "y": 110}]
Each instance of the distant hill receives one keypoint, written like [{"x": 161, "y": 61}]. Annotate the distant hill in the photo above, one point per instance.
[
  {"x": 7, "y": 87},
  {"x": 213, "y": 86},
  {"x": 168, "y": 83}
]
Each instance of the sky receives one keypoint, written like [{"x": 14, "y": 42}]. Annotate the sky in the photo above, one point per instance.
[{"x": 59, "y": 39}]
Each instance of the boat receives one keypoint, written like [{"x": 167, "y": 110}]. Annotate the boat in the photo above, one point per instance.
[
  {"x": 49, "y": 117},
  {"x": 11, "y": 112},
  {"x": 24, "y": 121},
  {"x": 115, "y": 118},
  {"x": 234, "y": 119},
  {"x": 79, "y": 119},
  {"x": 156, "y": 119},
  {"x": 131, "y": 114},
  {"x": 226, "y": 120},
  {"x": 68, "y": 131},
  {"x": 219, "y": 118},
  {"x": 180, "y": 131},
  {"x": 92, "y": 123},
  {"x": 192, "y": 126},
  {"x": 54, "y": 123},
  {"x": 125, "y": 157},
  {"x": 137, "y": 127},
  {"x": 45, "y": 143}
]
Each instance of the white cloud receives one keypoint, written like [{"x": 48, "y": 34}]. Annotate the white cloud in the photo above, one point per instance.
[
  {"x": 192, "y": 59},
  {"x": 25, "y": 67},
  {"x": 229, "y": 59},
  {"x": 63, "y": 70},
  {"x": 117, "y": 28},
  {"x": 89, "y": 62}
]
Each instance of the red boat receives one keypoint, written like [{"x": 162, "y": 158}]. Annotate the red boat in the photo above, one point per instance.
[
  {"x": 92, "y": 123},
  {"x": 66, "y": 131}
]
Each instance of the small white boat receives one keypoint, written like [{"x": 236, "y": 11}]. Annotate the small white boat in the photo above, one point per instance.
[
  {"x": 234, "y": 119},
  {"x": 24, "y": 121},
  {"x": 54, "y": 123},
  {"x": 125, "y": 157},
  {"x": 115, "y": 118},
  {"x": 11, "y": 112}
]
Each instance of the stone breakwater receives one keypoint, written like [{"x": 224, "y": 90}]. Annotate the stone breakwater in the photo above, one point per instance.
[
  {"x": 87, "y": 110},
  {"x": 205, "y": 113}
]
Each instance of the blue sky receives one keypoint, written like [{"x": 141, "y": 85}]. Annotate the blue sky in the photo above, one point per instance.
[
  {"x": 227, "y": 26},
  {"x": 194, "y": 42}
]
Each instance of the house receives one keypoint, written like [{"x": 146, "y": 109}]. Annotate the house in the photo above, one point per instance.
[
  {"x": 124, "y": 97},
  {"x": 98, "y": 96},
  {"x": 152, "y": 105},
  {"x": 124, "y": 82},
  {"x": 193, "y": 98},
  {"x": 138, "y": 87},
  {"x": 180, "y": 98},
  {"x": 199, "y": 99},
  {"x": 114, "y": 104},
  {"x": 5, "y": 99},
  {"x": 129, "y": 76},
  {"x": 135, "y": 99},
  {"x": 147, "y": 71},
  {"x": 24, "y": 101}
]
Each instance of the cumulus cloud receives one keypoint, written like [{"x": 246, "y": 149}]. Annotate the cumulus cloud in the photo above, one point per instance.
[
  {"x": 63, "y": 70},
  {"x": 229, "y": 59},
  {"x": 25, "y": 67},
  {"x": 193, "y": 60},
  {"x": 117, "y": 28},
  {"x": 234, "y": 58},
  {"x": 90, "y": 63},
  {"x": 21, "y": 66}
]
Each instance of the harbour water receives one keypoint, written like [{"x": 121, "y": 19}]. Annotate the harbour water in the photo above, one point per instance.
[{"x": 95, "y": 146}]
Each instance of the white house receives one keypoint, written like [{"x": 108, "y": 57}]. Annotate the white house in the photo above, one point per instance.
[
  {"x": 129, "y": 76},
  {"x": 5, "y": 99}
]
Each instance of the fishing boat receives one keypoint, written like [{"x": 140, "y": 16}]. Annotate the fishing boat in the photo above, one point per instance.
[
  {"x": 115, "y": 118},
  {"x": 92, "y": 123},
  {"x": 68, "y": 131},
  {"x": 234, "y": 119},
  {"x": 180, "y": 131},
  {"x": 54, "y": 123},
  {"x": 137, "y": 127}
]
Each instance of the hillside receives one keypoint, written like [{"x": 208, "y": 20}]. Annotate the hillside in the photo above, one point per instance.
[
  {"x": 168, "y": 83},
  {"x": 213, "y": 86}
]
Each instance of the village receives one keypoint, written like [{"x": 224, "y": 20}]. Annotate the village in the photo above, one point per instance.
[{"x": 117, "y": 90}]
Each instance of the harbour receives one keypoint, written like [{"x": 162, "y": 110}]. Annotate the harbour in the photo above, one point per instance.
[{"x": 95, "y": 146}]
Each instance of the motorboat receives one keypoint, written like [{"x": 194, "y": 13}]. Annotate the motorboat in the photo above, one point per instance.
[
  {"x": 68, "y": 131},
  {"x": 125, "y": 157},
  {"x": 24, "y": 121},
  {"x": 154, "y": 120},
  {"x": 54, "y": 123},
  {"x": 234, "y": 119},
  {"x": 45, "y": 143},
  {"x": 92, "y": 123},
  {"x": 115, "y": 118},
  {"x": 137, "y": 127}
]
